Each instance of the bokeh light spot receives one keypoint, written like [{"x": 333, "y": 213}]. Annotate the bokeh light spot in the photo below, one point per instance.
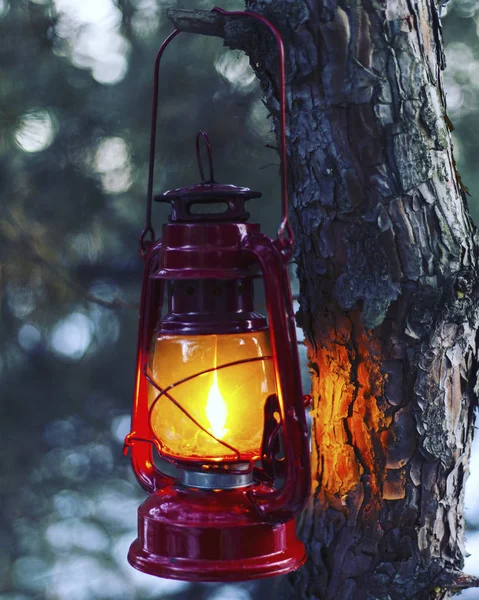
[
  {"x": 259, "y": 123},
  {"x": 29, "y": 337},
  {"x": 75, "y": 465},
  {"x": 20, "y": 300},
  {"x": 117, "y": 506},
  {"x": 69, "y": 503},
  {"x": 72, "y": 336},
  {"x": 236, "y": 70},
  {"x": 471, "y": 565},
  {"x": 4, "y": 8},
  {"x": 146, "y": 19},
  {"x": 90, "y": 11},
  {"x": 35, "y": 131},
  {"x": 120, "y": 427},
  {"x": 79, "y": 577},
  {"x": 68, "y": 432},
  {"x": 472, "y": 485},
  {"x": 111, "y": 70},
  {"x": 101, "y": 459},
  {"x": 91, "y": 38},
  {"x": 75, "y": 533},
  {"x": 87, "y": 245},
  {"x": 230, "y": 592},
  {"x": 112, "y": 161},
  {"x": 30, "y": 572}
]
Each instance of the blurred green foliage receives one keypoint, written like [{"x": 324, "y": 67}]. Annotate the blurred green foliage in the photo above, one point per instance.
[
  {"x": 75, "y": 106},
  {"x": 461, "y": 78}
]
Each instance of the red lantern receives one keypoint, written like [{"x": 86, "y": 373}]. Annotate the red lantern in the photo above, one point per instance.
[{"x": 218, "y": 389}]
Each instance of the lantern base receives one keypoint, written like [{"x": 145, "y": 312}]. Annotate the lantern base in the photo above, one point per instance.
[{"x": 197, "y": 535}]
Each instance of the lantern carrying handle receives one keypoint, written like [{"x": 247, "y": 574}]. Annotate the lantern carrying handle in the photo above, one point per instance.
[{"x": 285, "y": 232}]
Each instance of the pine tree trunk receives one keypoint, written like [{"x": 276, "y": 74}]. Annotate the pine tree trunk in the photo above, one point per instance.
[{"x": 387, "y": 258}]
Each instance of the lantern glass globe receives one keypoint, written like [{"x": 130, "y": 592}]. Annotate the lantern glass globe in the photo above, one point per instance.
[{"x": 228, "y": 402}]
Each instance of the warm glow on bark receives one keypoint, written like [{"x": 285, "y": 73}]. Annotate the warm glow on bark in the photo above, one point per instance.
[{"x": 351, "y": 413}]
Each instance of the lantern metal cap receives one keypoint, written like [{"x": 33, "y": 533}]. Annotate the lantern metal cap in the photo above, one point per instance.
[
  {"x": 208, "y": 191},
  {"x": 183, "y": 199}
]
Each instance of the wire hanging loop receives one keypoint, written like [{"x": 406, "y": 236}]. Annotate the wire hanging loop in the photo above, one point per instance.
[
  {"x": 285, "y": 232},
  {"x": 203, "y": 135}
]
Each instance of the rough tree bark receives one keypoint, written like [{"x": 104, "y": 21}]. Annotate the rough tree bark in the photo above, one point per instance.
[{"x": 387, "y": 258}]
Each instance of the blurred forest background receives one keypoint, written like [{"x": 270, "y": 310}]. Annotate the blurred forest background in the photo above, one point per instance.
[{"x": 75, "y": 104}]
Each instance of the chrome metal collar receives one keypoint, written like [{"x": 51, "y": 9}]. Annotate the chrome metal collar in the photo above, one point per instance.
[{"x": 216, "y": 479}]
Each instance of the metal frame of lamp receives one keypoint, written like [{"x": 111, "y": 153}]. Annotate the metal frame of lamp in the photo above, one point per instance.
[{"x": 218, "y": 388}]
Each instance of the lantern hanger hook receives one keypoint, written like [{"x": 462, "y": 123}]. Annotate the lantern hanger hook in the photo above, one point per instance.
[
  {"x": 202, "y": 134},
  {"x": 285, "y": 232}
]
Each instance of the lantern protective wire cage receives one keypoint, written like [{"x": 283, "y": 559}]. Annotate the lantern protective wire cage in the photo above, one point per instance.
[{"x": 218, "y": 388}]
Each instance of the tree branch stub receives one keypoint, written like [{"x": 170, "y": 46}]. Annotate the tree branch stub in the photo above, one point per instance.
[{"x": 198, "y": 21}]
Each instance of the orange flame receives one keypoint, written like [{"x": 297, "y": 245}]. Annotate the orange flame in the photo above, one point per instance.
[{"x": 216, "y": 409}]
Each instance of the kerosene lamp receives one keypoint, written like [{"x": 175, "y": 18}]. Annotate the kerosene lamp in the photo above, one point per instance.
[{"x": 218, "y": 389}]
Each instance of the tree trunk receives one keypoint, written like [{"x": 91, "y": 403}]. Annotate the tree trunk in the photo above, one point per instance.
[{"x": 387, "y": 258}]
